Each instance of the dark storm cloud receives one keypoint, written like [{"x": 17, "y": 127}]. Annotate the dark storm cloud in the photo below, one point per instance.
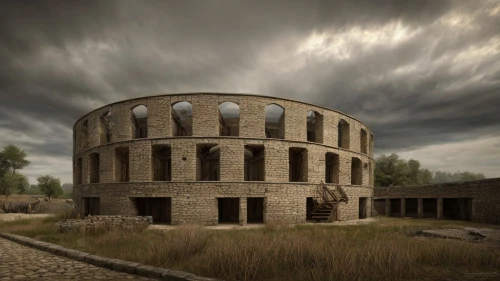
[{"x": 416, "y": 72}]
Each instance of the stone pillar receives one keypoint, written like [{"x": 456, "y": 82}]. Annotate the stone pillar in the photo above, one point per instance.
[
  {"x": 387, "y": 207},
  {"x": 420, "y": 208},
  {"x": 440, "y": 208},
  {"x": 243, "y": 211},
  {"x": 403, "y": 207}
]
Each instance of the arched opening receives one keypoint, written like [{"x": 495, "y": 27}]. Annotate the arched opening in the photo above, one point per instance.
[
  {"x": 254, "y": 163},
  {"x": 85, "y": 134},
  {"x": 182, "y": 119},
  {"x": 314, "y": 127},
  {"x": 363, "y": 140},
  {"x": 332, "y": 168},
  {"x": 139, "y": 123},
  {"x": 356, "y": 172},
  {"x": 229, "y": 119},
  {"x": 275, "y": 121},
  {"x": 343, "y": 134},
  {"x": 207, "y": 162},
  {"x": 105, "y": 132}
]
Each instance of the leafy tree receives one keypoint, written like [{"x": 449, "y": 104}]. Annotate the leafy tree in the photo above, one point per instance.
[
  {"x": 11, "y": 183},
  {"x": 23, "y": 184},
  {"x": 393, "y": 171},
  {"x": 50, "y": 186},
  {"x": 14, "y": 158}
]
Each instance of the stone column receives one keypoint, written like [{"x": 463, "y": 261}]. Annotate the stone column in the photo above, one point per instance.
[
  {"x": 243, "y": 211},
  {"x": 439, "y": 208},
  {"x": 420, "y": 208},
  {"x": 387, "y": 207},
  {"x": 403, "y": 207}
]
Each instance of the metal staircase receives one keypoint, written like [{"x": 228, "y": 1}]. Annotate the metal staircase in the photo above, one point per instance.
[{"x": 326, "y": 204}]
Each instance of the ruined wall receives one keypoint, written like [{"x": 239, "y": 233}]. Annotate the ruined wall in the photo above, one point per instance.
[
  {"x": 485, "y": 195},
  {"x": 193, "y": 201}
]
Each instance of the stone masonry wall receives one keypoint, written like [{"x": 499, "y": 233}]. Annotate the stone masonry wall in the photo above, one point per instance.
[
  {"x": 194, "y": 201},
  {"x": 485, "y": 195},
  {"x": 197, "y": 202}
]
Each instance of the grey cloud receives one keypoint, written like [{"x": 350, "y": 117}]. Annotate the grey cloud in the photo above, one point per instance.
[{"x": 61, "y": 59}]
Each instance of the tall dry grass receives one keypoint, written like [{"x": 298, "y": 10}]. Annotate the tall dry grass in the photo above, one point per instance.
[{"x": 369, "y": 252}]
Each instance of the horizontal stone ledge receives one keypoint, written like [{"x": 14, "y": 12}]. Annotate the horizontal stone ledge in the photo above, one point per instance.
[{"x": 112, "y": 264}]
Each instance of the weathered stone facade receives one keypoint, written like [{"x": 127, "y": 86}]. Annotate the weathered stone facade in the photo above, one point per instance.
[
  {"x": 469, "y": 200},
  {"x": 116, "y": 184}
]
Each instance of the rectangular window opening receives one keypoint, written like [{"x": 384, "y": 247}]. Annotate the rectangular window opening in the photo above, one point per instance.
[
  {"x": 207, "y": 162},
  {"x": 121, "y": 164},
  {"x": 254, "y": 163},
  {"x": 297, "y": 164},
  {"x": 161, "y": 162}
]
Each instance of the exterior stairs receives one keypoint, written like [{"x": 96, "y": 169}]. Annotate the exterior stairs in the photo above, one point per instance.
[{"x": 326, "y": 202}]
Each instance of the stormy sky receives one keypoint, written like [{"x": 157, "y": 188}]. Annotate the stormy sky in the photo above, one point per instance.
[{"x": 423, "y": 75}]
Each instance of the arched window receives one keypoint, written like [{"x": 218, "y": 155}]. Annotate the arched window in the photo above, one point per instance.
[
  {"x": 356, "y": 171},
  {"x": 182, "y": 119},
  {"x": 343, "y": 134},
  {"x": 332, "y": 168},
  {"x": 105, "y": 132},
  {"x": 363, "y": 140},
  {"x": 314, "y": 127},
  {"x": 139, "y": 124},
  {"x": 275, "y": 121},
  {"x": 229, "y": 119}
]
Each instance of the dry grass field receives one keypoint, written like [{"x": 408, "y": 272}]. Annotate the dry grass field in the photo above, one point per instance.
[
  {"x": 387, "y": 249},
  {"x": 55, "y": 206}
]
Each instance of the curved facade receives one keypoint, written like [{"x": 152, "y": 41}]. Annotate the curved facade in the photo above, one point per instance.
[{"x": 210, "y": 158}]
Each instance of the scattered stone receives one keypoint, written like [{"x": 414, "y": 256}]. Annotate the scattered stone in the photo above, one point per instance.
[{"x": 103, "y": 222}]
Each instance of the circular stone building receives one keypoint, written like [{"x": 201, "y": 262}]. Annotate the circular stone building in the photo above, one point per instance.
[{"x": 210, "y": 158}]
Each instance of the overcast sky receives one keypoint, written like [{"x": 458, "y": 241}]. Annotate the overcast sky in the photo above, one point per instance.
[{"x": 423, "y": 75}]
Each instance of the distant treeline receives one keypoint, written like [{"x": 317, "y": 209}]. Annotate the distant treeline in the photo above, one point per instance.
[{"x": 393, "y": 171}]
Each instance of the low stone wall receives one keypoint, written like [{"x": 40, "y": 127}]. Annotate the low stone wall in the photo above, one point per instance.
[{"x": 103, "y": 222}]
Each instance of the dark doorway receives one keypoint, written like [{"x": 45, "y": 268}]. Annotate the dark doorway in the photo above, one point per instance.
[
  {"x": 379, "y": 206},
  {"x": 429, "y": 207},
  {"x": 91, "y": 206},
  {"x": 159, "y": 207},
  {"x": 395, "y": 207},
  {"x": 255, "y": 210},
  {"x": 309, "y": 208},
  {"x": 457, "y": 208},
  {"x": 229, "y": 210},
  {"x": 411, "y": 207},
  {"x": 362, "y": 207}
]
